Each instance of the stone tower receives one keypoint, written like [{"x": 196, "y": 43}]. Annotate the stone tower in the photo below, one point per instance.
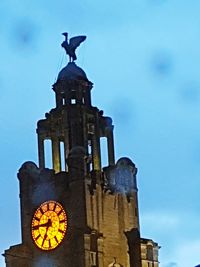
[{"x": 79, "y": 214}]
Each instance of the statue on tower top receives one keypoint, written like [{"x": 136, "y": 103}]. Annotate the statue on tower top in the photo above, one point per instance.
[{"x": 71, "y": 46}]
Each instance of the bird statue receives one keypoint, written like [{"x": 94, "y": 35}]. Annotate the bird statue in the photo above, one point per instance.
[{"x": 71, "y": 46}]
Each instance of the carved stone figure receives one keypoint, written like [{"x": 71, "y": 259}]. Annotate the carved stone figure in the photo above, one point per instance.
[{"x": 71, "y": 46}]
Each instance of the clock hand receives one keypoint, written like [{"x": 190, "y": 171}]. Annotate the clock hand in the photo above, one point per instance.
[
  {"x": 47, "y": 224},
  {"x": 36, "y": 227},
  {"x": 50, "y": 224},
  {"x": 45, "y": 236}
]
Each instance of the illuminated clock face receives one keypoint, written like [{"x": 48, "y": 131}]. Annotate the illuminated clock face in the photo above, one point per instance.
[{"x": 49, "y": 225}]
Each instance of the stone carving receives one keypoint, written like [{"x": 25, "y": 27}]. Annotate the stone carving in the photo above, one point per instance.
[
  {"x": 121, "y": 177},
  {"x": 115, "y": 264},
  {"x": 29, "y": 168}
]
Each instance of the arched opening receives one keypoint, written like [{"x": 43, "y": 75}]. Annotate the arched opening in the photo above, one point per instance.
[{"x": 48, "y": 153}]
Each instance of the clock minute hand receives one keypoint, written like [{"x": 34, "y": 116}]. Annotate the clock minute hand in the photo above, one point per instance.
[
  {"x": 45, "y": 237},
  {"x": 47, "y": 224}
]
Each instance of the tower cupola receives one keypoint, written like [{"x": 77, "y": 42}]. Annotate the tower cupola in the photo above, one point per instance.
[
  {"x": 74, "y": 122},
  {"x": 72, "y": 86}
]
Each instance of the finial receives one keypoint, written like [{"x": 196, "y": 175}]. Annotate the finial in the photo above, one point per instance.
[{"x": 71, "y": 46}]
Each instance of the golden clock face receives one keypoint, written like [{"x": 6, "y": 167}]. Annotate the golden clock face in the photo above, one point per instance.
[{"x": 49, "y": 225}]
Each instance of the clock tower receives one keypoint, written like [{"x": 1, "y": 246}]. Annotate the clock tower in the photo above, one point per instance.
[{"x": 78, "y": 213}]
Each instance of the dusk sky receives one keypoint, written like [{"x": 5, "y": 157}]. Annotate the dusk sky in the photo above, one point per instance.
[{"x": 143, "y": 57}]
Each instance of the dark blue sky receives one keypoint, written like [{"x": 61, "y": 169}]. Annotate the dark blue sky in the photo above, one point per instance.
[{"x": 143, "y": 57}]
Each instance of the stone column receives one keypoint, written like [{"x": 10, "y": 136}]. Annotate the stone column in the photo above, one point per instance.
[
  {"x": 96, "y": 156},
  {"x": 110, "y": 142},
  {"x": 87, "y": 97},
  {"x": 41, "y": 155},
  {"x": 59, "y": 100},
  {"x": 56, "y": 154},
  {"x": 133, "y": 238}
]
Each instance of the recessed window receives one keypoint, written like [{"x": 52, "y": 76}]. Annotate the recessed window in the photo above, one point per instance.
[
  {"x": 48, "y": 153},
  {"x": 62, "y": 156},
  {"x": 92, "y": 258},
  {"x": 104, "y": 151},
  {"x": 150, "y": 252},
  {"x": 89, "y": 161}
]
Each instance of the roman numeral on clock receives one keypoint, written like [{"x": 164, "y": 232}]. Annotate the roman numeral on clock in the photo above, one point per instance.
[
  {"x": 56, "y": 239},
  {"x": 37, "y": 237}
]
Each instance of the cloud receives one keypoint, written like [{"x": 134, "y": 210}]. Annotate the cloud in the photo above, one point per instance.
[
  {"x": 176, "y": 234},
  {"x": 171, "y": 264},
  {"x": 188, "y": 252},
  {"x": 158, "y": 220}
]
